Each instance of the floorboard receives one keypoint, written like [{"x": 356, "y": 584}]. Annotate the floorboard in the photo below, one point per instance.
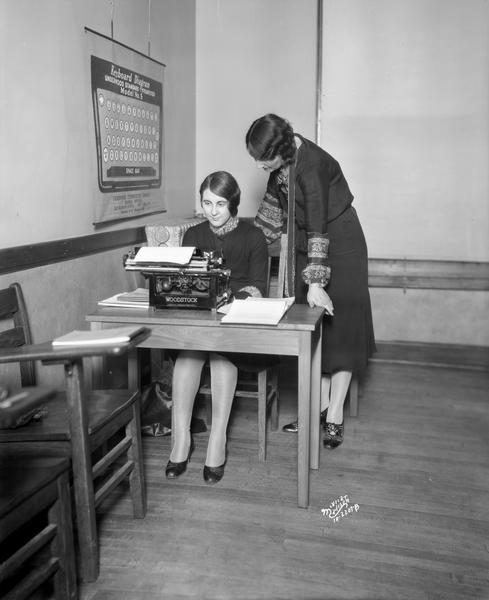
[{"x": 414, "y": 468}]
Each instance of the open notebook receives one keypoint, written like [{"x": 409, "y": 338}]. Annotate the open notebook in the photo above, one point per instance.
[{"x": 257, "y": 311}]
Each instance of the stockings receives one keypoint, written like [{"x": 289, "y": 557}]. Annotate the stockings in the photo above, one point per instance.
[
  {"x": 224, "y": 375},
  {"x": 333, "y": 394},
  {"x": 186, "y": 382}
]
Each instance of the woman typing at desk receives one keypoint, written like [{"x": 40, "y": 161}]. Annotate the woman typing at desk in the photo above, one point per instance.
[{"x": 244, "y": 249}]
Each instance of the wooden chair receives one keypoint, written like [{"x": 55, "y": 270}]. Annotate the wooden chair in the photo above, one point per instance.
[
  {"x": 258, "y": 380},
  {"x": 36, "y": 534},
  {"x": 100, "y": 431}
]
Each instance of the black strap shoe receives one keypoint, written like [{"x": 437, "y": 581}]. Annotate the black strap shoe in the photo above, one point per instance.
[
  {"x": 175, "y": 469},
  {"x": 291, "y": 427},
  {"x": 294, "y": 426},
  {"x": 333, "y": 435},
  {"x": 213, "y": 474}
]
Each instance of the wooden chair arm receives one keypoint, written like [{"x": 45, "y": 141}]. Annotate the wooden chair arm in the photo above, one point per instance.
[{"x": 48, "y": 354}]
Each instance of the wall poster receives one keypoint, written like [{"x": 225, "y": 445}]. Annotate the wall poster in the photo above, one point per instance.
[{"x": 126, "y": 130}]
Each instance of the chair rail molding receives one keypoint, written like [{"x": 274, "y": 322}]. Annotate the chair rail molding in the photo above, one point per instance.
[{"x": 383, "y": 272}]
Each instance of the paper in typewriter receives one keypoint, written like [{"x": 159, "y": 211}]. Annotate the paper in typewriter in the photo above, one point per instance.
[
  {"x": 171, "y": 255},
  {"x": 257, "y": 311}
]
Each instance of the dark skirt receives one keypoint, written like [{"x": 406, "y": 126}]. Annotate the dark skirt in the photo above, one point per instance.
[{"x": 348, "y": 335}]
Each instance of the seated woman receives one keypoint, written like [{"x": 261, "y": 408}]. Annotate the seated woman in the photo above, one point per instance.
[{"x": 244, "y": 249}]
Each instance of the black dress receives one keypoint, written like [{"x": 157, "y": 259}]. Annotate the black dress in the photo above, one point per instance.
[
  {"x": 323, "y": 212},
  {"x": 244, "y": 250}
]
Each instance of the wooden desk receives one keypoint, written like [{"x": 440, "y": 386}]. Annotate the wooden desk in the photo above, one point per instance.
[{"x": 297, "y": 334}]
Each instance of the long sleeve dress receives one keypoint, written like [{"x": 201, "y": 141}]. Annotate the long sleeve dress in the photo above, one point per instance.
[
  {"x": 245, "y": 252},
  {"x": 330, "y": 250}
]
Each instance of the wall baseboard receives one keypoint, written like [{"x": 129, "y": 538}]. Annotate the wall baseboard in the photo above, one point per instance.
[
  {"x": 435, "y": 355},
  {"x": 428, "y": 274}
]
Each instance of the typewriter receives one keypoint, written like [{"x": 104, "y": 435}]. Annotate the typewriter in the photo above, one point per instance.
[{"x": 202, "y": 282}]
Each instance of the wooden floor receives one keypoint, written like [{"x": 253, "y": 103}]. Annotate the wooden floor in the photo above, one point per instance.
[{"x": 414, "y": 469}]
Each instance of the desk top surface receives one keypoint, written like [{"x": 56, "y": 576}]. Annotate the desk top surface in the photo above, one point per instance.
[{"x": 299, "y": 317}]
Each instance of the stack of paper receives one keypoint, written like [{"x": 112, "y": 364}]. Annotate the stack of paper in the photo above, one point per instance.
[
  {"x": 139, "y": 298},
  {"x": 257, "y": 311},
  {"x": 104, "y": 337}
]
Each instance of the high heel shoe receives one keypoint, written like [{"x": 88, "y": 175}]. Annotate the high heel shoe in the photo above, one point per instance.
[
  {"x": 213, "y": 474},
  {"x": 333, "y": 435},
  {"x": 294, "y": 426},
  {"x": 175, "y": 469}
]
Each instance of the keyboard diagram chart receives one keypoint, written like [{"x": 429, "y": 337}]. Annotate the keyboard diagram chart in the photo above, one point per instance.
[
  {"x": 127, "y": 109},
  {"x": 126, "y": 142}
]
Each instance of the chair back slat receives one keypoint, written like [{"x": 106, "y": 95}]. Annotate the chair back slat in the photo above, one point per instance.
[
  {"x": 13, "y": 309},
  {"x": 12, "y": 338},
  {"x": 8, "y": 303}
]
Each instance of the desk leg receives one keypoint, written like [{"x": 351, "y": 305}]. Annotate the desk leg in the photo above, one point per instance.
[
  {"x": 315, "y": 398},
  {"x": 97, "y": 363},
  {"x": 304, "y": 402}
]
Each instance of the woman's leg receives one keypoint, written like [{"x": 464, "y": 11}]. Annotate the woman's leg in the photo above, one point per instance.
[
  {"x": 325, "y": 391},
  {"x": 340, "y": 382},
  {"x": 224, "y": 375},
  {"x": 186, "y": 381}
]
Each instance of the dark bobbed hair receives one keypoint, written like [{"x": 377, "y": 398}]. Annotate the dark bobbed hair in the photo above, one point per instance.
[
  {"x": 271, "y": 136},
  {"x": 223, "y": 184}
]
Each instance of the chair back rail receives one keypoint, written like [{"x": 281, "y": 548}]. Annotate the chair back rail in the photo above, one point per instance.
[{"x": 13, "y": 308}]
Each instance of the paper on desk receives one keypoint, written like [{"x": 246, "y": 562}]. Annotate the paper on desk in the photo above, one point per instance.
[
  {"x": 172, "y": 255},
  {"x": 257, "y": 311},
  {"x": 139, "y": 298},
  {"x": 115, "y": 335}
]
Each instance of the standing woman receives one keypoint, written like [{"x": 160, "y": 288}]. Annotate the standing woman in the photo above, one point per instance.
[
  {"x": 327, "y": 263},
  {"x": 244, "y": 249}
]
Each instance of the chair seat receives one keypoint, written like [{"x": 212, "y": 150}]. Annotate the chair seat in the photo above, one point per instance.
[
  {"x": 25, "y": 477},
  {"x": 254, "y": 363},
  {"x": 103, "y": 407},
  {"x": 36, "y": 534}
]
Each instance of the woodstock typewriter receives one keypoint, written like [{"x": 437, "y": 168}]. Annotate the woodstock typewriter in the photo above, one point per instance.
[{"x": 182, "y": 278}]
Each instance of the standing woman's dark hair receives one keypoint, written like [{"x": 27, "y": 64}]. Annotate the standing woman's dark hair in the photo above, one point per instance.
[
  {"x": 223, "y": 184},
  {"x": 271, "y": 136}
]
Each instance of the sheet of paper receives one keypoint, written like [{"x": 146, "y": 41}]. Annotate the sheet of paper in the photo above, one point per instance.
[
  {"x": 174, "y": 255},
  {"x": 139, "y": 298},
  {"x": 258, "y": 311}
]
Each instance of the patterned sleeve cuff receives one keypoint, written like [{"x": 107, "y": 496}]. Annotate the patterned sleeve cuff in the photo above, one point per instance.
[
  {"x": 317, "y": 270},
  {"x": 249, "y": 290},
  {"x": 269, "y": 218},
  {"x": 316, "y": 274}
]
